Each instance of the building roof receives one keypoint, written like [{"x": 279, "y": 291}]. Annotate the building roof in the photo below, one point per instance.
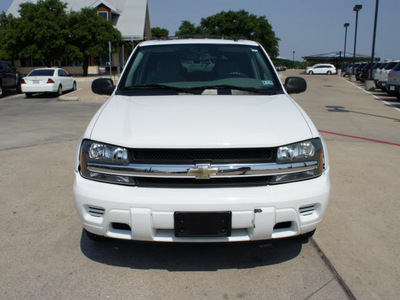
[{"x": 132, "y": 16}]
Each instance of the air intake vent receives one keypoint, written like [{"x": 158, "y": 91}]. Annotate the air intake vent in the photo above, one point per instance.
[
  {"x": 307, "y": 210},
  {"x": 96, "y": 211}
]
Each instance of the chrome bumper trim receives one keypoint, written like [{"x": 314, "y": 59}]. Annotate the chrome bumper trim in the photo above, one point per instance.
[{"x": 181, "y": 171}]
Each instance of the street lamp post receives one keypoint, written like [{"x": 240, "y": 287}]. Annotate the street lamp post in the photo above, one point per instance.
[
  {"x": 356, "y": 8},
  {"x": 373, "y": 39},
  {"x": 293, "y": 56},
  {"x": 345, "y": 42}
]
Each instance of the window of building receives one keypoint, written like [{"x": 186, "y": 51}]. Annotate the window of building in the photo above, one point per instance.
[{"x": 103, "y": 14}]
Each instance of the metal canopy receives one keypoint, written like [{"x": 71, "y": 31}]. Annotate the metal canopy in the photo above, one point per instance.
[{"x": 336, "y": 56}]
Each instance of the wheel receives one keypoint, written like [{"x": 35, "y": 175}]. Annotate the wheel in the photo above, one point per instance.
[
  {"x": 28, "y": 95},
  {"x": 328, "y": 73},
  {"x": 59, "y": 91},
  {"x": 94, "y": 237},
  {"x": 1, "y": 91},
  {"x": 310, "y": 72},
  {"x": 74, "y": 86}
]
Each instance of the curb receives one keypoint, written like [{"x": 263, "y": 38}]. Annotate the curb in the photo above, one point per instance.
[{"x": 64, "y": 98}]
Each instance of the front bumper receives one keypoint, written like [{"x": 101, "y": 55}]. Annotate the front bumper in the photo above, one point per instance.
[{"x": 147, "y": 214}]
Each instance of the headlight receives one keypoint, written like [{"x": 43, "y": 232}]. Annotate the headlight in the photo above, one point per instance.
[
  {"x": 100, "y": 153},
  {"x": 305, "y": 151}
]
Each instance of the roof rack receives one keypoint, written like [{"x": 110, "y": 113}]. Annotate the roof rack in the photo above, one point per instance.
[{"x": 218, "y": 37}]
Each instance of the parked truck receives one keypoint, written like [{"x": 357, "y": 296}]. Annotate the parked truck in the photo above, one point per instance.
[{"x": 9, "y": 78}]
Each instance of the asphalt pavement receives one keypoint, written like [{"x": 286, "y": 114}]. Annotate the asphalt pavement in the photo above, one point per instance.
[{"x": 353, "y": 254}]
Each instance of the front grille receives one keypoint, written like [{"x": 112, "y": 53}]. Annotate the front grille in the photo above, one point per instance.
[
  {"x": 202, "y": 156},
  {"x": 189, "y": 156},
  {"x": 195, "y": 183}
]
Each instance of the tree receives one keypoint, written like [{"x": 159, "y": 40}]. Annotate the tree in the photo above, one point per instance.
[
  {"x": 188, "y": 28},
  {"x": 8, "y": 47},
  {"x": 235, "y": 24},
  {"x": 89, "y": 34},
  {"x": 159, "y": 32},
  {"x": 45, "y": 32},
  {"x": 41, "y": 30}
]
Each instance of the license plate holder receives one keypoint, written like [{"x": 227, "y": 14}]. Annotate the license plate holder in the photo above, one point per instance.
[{"x": 203, "y": 224}]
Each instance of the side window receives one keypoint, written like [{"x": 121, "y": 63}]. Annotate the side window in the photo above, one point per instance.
[
  {"x": 62, "y": 73},
  {"x": 8, "y": 68}
]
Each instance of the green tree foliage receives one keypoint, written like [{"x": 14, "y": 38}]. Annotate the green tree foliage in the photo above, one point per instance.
[
  {"x": 235, "y": 24},
  {"x": 159, "y": 32},
  {"x": 46, "y": 32},
  {"x": 89, "y": 34},
  {"x": 41, "y": 30},
  {"x": 8, "y": 43},
  {"x": 188, "y": 28}
]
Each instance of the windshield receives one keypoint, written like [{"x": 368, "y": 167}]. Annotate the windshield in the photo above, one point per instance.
[{"x": 194, "y": 68}]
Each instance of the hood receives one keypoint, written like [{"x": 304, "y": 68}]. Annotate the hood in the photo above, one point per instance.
[{"x": 200, "y": 121}]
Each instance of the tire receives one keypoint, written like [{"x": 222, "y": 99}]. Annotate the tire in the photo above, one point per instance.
[
  {"x": 310, "y": 72},
  {"x": 1, "y": 91},
  {"x": 28, "y": 95},
  {"x": 329, "y": 73},
  {"x": 74, "y": 86},
  {"x": 59, "y": 91},
  {"x": 18, "y": 88},
  {"x": 306, "y": 236},
  {"x": 94, "y": 237},
  {"x": 390, "y": 93}
]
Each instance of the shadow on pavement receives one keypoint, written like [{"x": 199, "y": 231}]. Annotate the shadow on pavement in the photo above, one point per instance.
[
  {"x": 191, "y": 256},
  {"x": 335, "y": 108}
]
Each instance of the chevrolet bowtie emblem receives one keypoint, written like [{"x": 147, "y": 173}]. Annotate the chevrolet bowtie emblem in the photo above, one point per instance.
[{"x": 202, "y": 171}]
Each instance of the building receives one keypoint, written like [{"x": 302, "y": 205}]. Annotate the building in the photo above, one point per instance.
[{"x": 130, "y": 17}]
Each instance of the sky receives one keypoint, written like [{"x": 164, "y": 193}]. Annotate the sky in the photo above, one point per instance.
[{"x": 306, "y": 27}]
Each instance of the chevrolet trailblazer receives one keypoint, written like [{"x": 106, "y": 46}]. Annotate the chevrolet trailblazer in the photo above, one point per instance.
[{"x": 200, "y": 142}]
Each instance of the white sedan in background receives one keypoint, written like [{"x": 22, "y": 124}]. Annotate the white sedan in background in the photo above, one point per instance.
[
  {"x": 321, "y": 69},
  {"x": 47, "y": 80}
]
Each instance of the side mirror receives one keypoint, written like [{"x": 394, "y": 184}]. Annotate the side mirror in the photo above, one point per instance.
[
  {"x": 103, "y": 86},
  {"x": 295, "y": 85}
]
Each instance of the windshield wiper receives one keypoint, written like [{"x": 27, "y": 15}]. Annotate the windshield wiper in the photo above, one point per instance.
[
  {"x": 234, "y": 87},
  {"x": 157, "y": 86}
]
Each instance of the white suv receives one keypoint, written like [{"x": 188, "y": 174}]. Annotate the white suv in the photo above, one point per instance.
[
  {"x": 321, "y": 69},
  {"x": 384, "y": 74},
  {"x": 393, "y": 83},
  {"x": 200, "y": 142}
]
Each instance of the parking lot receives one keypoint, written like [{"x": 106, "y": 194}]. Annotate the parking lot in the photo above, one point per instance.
[{"x": 45, "y": 255}]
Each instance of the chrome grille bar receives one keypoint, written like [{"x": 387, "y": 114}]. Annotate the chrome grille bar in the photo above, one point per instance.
[{"x": 181, "y": 171}]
